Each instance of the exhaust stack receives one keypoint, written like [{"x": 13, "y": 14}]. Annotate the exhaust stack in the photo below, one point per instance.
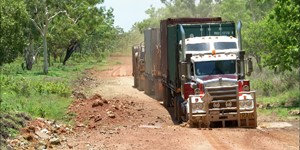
[{"x": 182, "y": 56}]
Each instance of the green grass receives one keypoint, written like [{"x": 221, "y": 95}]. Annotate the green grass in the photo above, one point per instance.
[
  {"x": 43, "y": 95},
  {"x": 280, "y": 105},
  {"x": 279, "y": 91}
]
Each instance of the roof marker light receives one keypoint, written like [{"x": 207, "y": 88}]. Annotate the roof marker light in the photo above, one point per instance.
[{"x": 213, "y": 52}]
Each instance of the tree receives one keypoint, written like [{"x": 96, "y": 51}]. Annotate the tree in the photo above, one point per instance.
[
  {"x": 274, "y": 40},
  {"x": 86, "y": 24},
  {"x": 233, "y": 10},
  {"x": 256, "y": 40},
  {"x": 286, "y": 15},
  {"x": 13, "y": 18},
  {"x": 41, "y": 15}
]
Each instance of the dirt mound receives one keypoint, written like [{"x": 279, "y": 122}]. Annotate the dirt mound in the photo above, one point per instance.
[{"x": 97, "y": 112}]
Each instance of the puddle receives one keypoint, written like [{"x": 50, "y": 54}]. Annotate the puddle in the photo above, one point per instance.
[
  {"x": 150, "y": 126},
  {"x": 275, "y": 125}
]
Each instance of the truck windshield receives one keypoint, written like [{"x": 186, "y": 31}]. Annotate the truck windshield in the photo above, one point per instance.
[
  {"x": 215, "y": 67},
  {"x": 198, "y": 47},
  {"x": 225, "y": 45}
]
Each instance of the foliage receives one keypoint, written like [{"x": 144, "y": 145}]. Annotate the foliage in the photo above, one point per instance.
[
  {"x": 275, "y": 38},
  {"x": 51, "y": 24},
  {"x": 269, "y": 83},
  {"x": 125, "y": 41},
  {"x": 13, "y": 17},
  {"x": 286, "y": 14}
]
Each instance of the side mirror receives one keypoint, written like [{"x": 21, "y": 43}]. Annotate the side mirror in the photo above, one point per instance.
[{"x": 250, "y": 67}]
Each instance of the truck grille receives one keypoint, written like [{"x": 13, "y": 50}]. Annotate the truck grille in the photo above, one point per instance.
[{"x": 223, "y": 95}]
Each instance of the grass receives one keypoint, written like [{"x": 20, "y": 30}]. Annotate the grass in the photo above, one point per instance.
[
  {"x": 280, "y": 105},
  {"x": 42, "y": 95},
  {"x": 278, "y": 93}
]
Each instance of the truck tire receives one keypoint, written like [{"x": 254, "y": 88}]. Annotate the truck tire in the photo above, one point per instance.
[
  {"x": 136, "y": 81},
  {"x": 177, "y": 110}
]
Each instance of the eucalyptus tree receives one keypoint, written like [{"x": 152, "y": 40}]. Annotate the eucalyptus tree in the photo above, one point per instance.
[{"x": 41, "y": 14}]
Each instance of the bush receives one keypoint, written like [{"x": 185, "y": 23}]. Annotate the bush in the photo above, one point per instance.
[{"x": 268, "y": 83}]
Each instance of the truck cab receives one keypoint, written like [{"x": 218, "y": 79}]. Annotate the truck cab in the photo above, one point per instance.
[{"x": 216, "y": 89}]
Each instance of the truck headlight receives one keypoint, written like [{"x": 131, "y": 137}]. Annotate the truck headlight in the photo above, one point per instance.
[
  {"x": 198, "y": 108},
  {"x": 246, "y": 104},
  {"x": 249, "y": 104},
  {"x": 216, "y": 105},
  {"x": 228, "y": 103},
  {"x": 242, "y": 104},
  {"x": 194, "y": 106}
]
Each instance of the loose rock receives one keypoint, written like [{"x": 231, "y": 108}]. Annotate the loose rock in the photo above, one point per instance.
[
  {"x": 97, "y": 118},
  {"x": 294, "y": 112},
  {"x": 110, "y": 114},
  {"x": 98, "y": 102},
  {"x": 54, "y": 141}
]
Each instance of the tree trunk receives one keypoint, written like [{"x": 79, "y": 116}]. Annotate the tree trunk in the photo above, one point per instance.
[
  {"x": 45, "y": 54},
  {"x": 45, "y": 42},
  {"x": 29, "y": 55},
  {"x": 258, "y": 60}
]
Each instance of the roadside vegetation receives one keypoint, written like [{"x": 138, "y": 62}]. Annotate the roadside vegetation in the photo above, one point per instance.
[
  {"x": 31, "y": 94},
  {"x": 278, "y": 94}
]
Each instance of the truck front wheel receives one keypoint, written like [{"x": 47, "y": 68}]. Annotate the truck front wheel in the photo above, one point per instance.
[{"x": 178, "y": 110}]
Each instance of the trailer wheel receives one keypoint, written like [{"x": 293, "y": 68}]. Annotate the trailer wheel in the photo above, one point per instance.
[
  {"x": 141, "y": 83},
  {"x": 147, "y": 87},
  {"x": 136, "y": 80}
]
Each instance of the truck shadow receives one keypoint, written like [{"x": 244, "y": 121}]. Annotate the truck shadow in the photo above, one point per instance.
[{"x": 170, "y": 109}]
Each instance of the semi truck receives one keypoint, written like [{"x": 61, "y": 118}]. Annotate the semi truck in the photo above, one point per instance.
[{"x": 197, "y": 66}]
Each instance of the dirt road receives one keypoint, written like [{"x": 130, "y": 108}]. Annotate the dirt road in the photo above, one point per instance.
[{"x": 129, "y": 119}]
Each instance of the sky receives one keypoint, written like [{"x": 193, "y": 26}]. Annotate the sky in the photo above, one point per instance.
[{"x": 127, "y": 12}]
